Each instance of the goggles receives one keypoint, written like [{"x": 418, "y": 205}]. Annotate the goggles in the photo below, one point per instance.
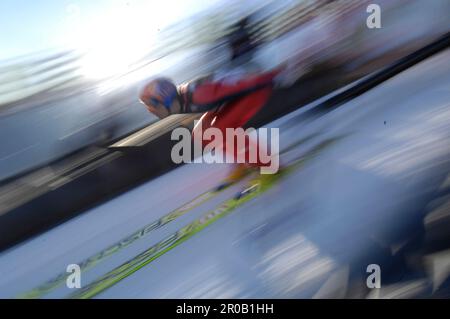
[{"x": 166, "y": 102}]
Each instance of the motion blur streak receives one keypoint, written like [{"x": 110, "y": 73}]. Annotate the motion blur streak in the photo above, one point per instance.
[{"x": 86, "y": 175}]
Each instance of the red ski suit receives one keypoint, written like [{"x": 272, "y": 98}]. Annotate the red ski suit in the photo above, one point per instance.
[{"x": 228, "y": 104}]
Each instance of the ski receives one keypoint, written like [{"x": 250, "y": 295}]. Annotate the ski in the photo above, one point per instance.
[
  {"x": 253, "y": 190},
  {"x": 90, "y": 262},
  {"x": 140, "y": 233}
]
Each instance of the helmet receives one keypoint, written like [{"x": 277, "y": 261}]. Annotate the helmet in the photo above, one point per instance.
[{"x": 160, "y": 91}]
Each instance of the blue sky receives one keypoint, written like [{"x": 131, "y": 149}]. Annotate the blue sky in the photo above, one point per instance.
[{"x": 30, "y": 26}]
